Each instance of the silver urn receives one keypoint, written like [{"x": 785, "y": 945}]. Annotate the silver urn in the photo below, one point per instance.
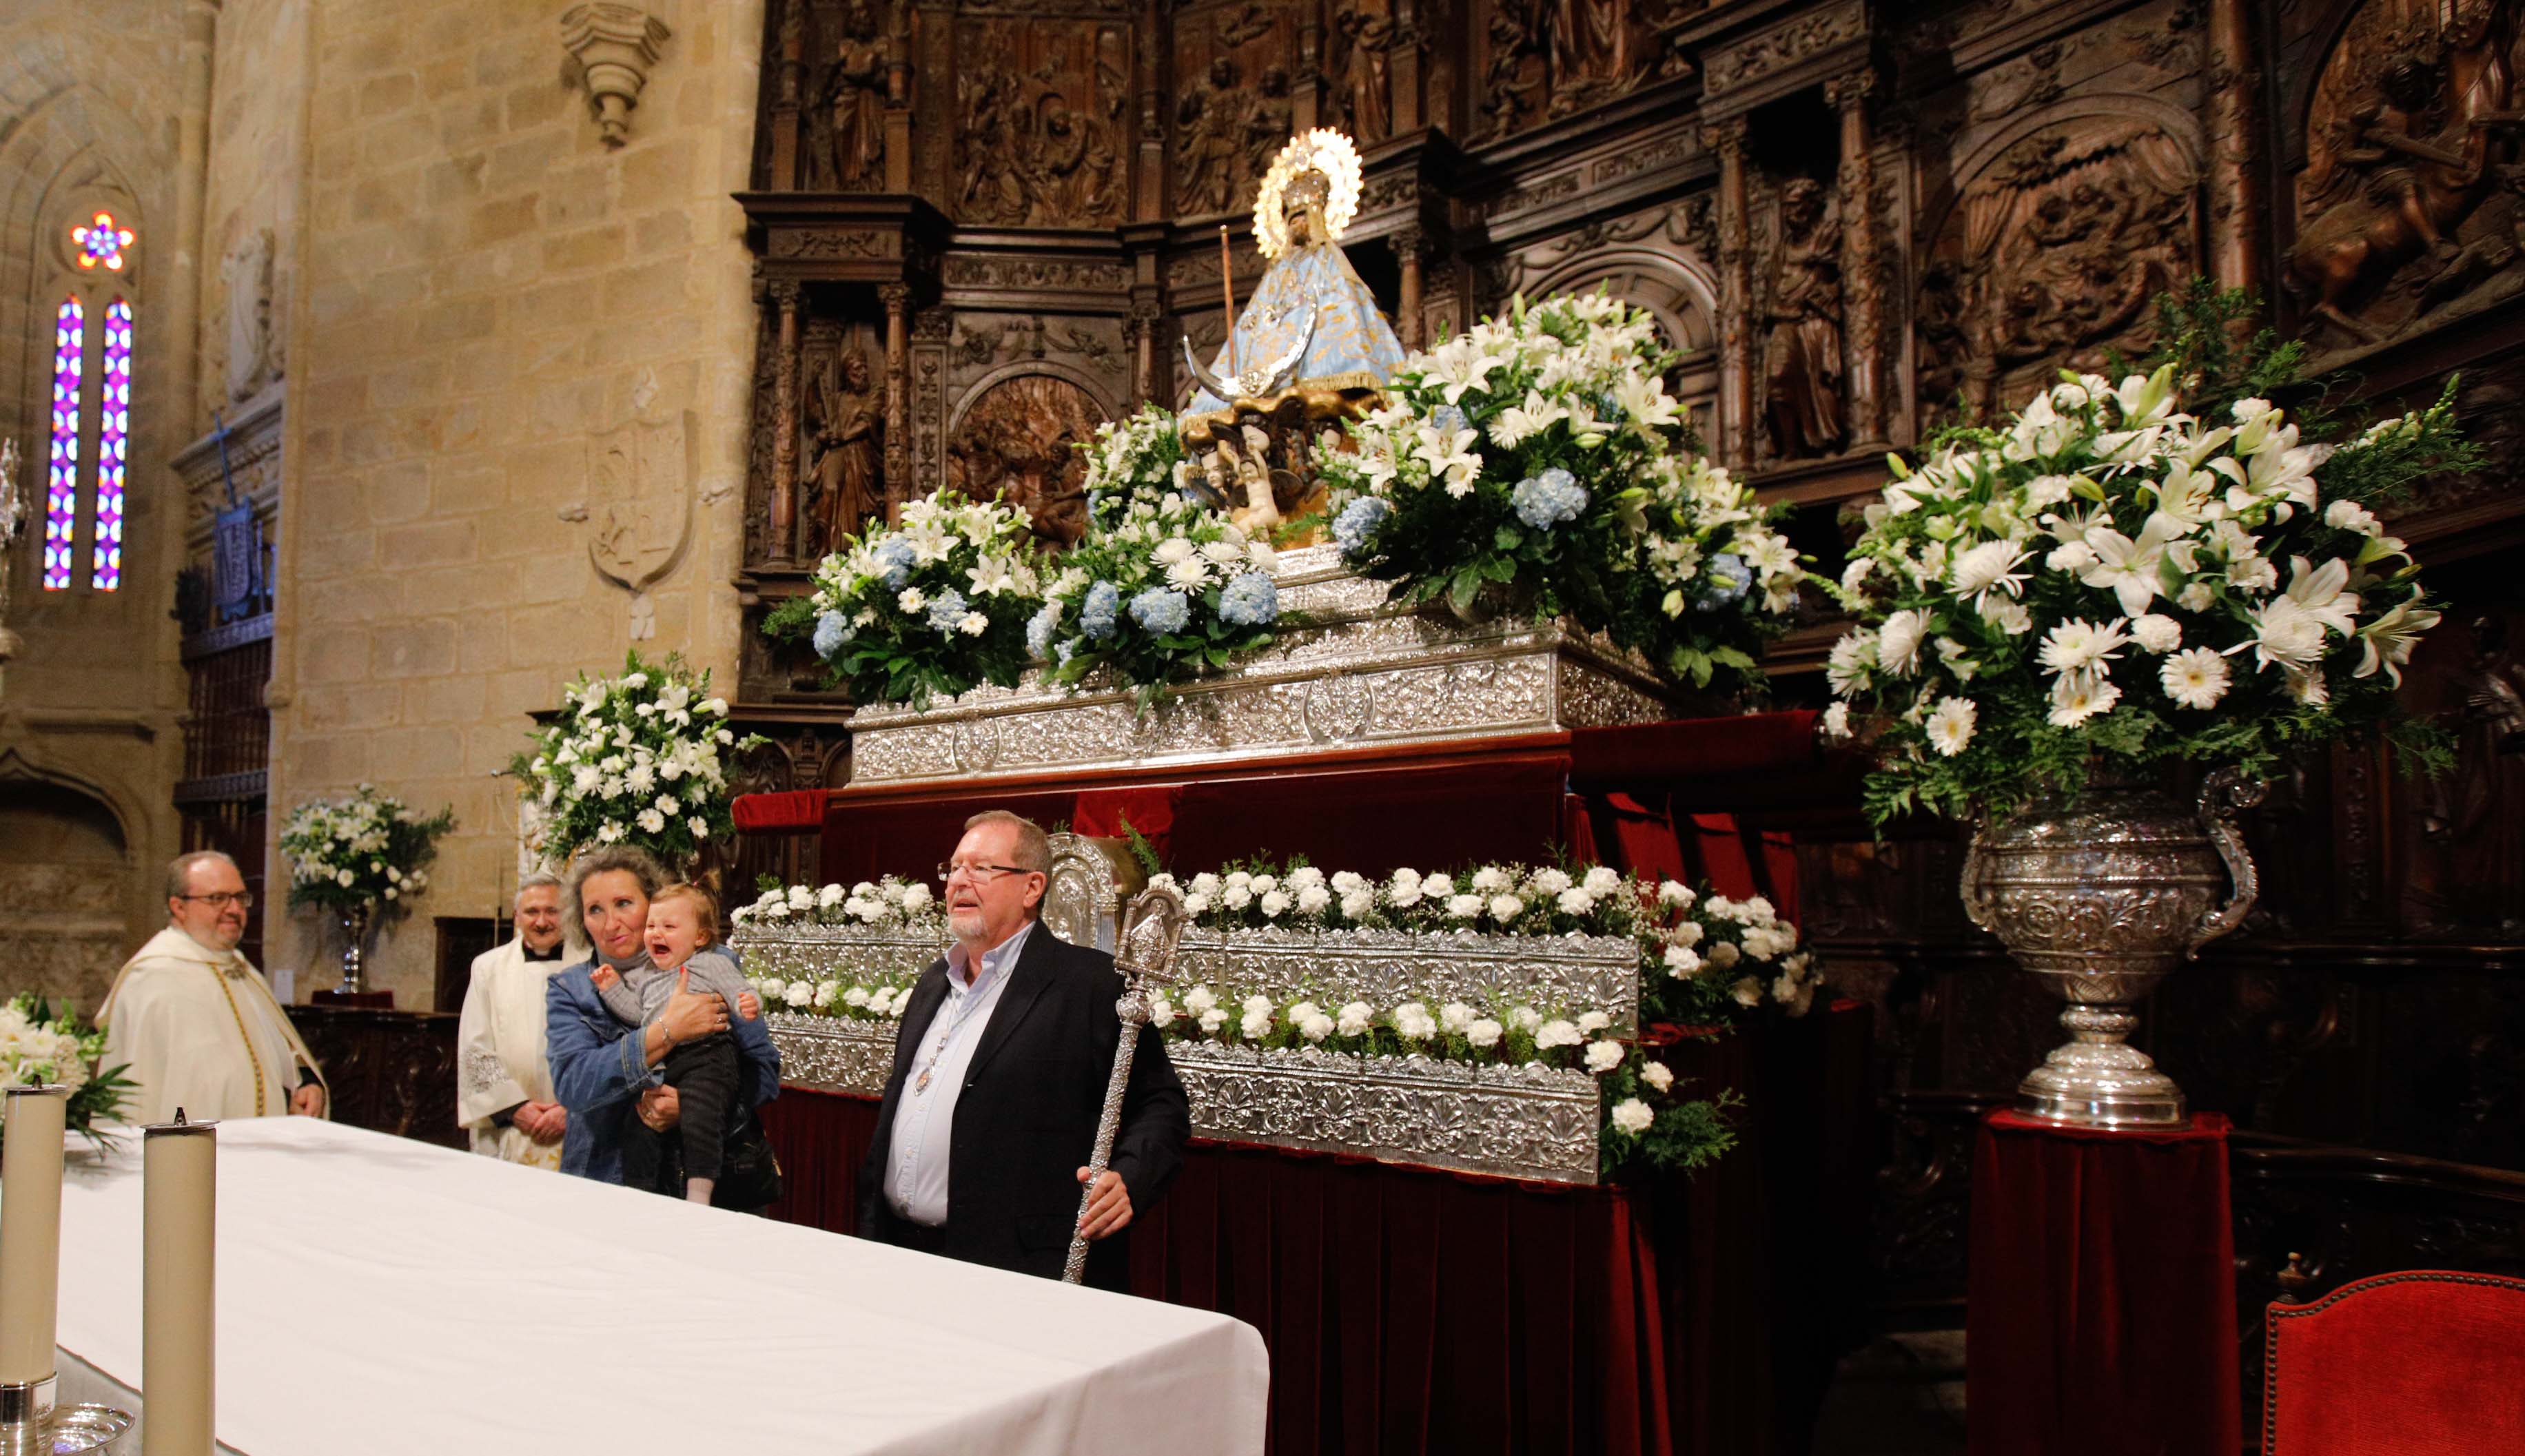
[{"x": 2099, "y": 894}]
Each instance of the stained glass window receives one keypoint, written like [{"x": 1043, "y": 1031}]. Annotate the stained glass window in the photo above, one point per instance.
[
  {"x": 61, "y": 497},
  {"x": 101, "y": 241},
  {"x": 113, "y": 437}
]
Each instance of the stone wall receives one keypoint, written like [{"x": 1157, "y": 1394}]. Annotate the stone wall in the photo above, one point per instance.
[
  {"x": 87, "y": 711},
  {"x": 487, "y": 297}
]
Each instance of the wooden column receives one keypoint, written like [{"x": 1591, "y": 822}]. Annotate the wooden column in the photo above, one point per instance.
[
  {"x": 2231, "y": 91},
  {"x": 897, "y": 298},
  {"x": 1411, "y": 249},
  {"x": 1403, "y": 67},
  {"x": 898, "y": 104},
  {"x": 1735, "y": 295},
  {"x": 1141, "y": 329},
  {"x": 790, "y": 95},
  {"x": 1149, "y": 173},
  {"x": 1862, "y": 275},
  {"x": 781, "y": 541}
]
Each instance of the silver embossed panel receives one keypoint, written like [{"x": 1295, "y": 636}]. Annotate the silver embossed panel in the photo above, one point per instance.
[
  {"x": 1386, "y": 968},
  {"x": 1368, "y": 675},
  {"x": 1530, "y": 1122},
  {"x": 1381, "y": 967}
]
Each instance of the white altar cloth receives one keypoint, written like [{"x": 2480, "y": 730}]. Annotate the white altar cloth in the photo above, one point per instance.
[{"x": 383, "y": 1296}]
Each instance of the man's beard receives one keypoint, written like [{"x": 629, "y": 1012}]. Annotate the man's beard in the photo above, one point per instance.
[{"x": 967, "y": 924}]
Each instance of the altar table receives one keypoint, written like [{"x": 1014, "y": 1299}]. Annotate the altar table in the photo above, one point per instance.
[{"x": 384, "y": 1296}]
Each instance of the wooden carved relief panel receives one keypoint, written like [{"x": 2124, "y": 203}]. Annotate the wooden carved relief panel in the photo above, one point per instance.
[
  {"x": 1041, "y": 136},
  {"x": 2407, "y": 211},
  {"x": 1232, "y": 110},
  {"x": 1017, "y": 438},
  {"x": 2048, "y": 250},
  {"x": 1542, "y": 60}
]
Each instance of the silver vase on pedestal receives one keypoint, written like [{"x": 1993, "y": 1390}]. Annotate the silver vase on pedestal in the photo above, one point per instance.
[
  {"x": 355, "y": 935},
  {"x": 2098, "y": 895}
]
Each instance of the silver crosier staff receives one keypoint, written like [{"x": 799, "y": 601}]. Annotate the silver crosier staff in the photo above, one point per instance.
[{"x": 1144, "y": 952}]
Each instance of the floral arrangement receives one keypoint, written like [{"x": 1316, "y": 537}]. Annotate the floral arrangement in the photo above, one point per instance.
[
  {"x": 931, "y": 608},
  {"x": 891, "y": 902},
  {"x": 634, "y": 760},
  {"x": 41, "y": 1044},
  {"x": 346, "y": 853},
  {"x": 2111, "y": 581},
  {"x": 1539, "y": 458},
  {"x": 1704, "y": 959},
  {"x": 1645, "y": 1120},
  {"x": 1138, "y": 459},
  {"x": 1169, "y": 589}
]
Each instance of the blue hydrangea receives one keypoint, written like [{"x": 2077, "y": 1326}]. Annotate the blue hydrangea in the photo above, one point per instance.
[
  {"x": 1162, "y": 611},
  {"x": 1548, "y": 498},
  {"x": 1448, "y": 418},
  {"x": 833, "y": 632},
  {"x": 1068, "y": 649},
  {"x": 1250, "y": 601},
  {"x": 897, "y": 556},
  {"x": 1039, "y": 629},
  {"x": 1358, "y": 521},
  {"x": 1725, "y": 580},
  {"x": 947, "y": 611},
  {"x": 1096, "y": 615}
]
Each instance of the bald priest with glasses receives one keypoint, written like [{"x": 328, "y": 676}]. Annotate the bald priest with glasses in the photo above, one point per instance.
[
  {"x": 999, "y": 1080},
  {"x": 193, "y": 1019}
]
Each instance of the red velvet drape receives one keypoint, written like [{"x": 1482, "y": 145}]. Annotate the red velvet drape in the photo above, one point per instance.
[{"x": 2101, "y": 1318}]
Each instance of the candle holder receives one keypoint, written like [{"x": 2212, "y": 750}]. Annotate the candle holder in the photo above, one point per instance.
[
  {"x": 32, "y": 1425},
  {"x": 26, "y": 1417}
]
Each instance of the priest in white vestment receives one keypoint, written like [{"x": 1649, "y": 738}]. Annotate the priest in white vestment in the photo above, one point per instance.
[
  {"x": 194, "y": 1020},
  {"x": 504, "y": 1091}
]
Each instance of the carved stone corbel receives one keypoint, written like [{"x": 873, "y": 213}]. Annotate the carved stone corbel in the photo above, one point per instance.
[{"x": 611, "y": 49}]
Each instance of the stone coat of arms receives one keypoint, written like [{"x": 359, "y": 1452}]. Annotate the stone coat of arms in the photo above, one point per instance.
[{"x": 640, "y": 507}]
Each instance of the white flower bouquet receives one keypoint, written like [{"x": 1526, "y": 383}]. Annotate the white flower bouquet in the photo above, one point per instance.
[
  {"x": 44, "y": 1045},
  {"x": 1539, "y": 461},
  {"x": 892, "y": 903},
  {"x": 1137, "y": 459},
  {"x": 932, "y": 607},
  {"x": 2110, "y": 581},
  {"x": 641, "y": 759},
  {"x": 364, "y": 851},
  {"x": 1164, "y": 589},
  {"x": 1704, "y": 959}
]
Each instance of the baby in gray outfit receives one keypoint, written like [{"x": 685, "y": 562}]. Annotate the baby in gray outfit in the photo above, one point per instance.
[{"x": 705, "y": 1073}]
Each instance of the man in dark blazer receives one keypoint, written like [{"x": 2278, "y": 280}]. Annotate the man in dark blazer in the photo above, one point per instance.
[{"x": 999, "y": 1078}]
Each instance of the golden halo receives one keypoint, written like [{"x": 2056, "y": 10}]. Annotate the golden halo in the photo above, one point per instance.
[{"x": 1321, "y": 150}]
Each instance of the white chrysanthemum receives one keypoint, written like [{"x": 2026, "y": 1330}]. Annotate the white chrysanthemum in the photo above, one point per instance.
[
  {"x": 1557, "y": 1033},
  {"x": 2197, "y": 678},
  {"x": 1603, "y": 1056},
  {"x": 2155, "y": 632},
  {"x": 1631, "y": 1116},
  {"x": 2077, "y": 696},
  {"x": 1656, "y": 1074},
  {"x": 1484, "y": 1033},
  {"x": 1950, "y": 725}
]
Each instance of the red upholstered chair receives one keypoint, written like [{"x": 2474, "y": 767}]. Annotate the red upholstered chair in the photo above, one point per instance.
[{"x": 2426, "y": 1363}]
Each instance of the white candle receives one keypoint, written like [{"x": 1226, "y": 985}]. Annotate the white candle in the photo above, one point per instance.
[
  {"x": 30, "y": 1231},
  {"x": 178, "y": 1198}
]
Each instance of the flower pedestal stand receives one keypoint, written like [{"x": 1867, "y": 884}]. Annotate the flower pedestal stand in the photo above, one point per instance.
[{"x": 2102, "y": 1314}]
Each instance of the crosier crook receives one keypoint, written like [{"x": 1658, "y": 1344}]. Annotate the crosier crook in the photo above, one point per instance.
[{"x": 1152, "y": 926}]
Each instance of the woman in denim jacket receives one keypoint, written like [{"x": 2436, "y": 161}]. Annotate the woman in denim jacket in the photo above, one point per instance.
[{"x": 604, "y": 1070}]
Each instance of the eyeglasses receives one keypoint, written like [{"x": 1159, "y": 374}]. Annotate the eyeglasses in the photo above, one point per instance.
[
  {"x": 243, "y": 900},
  {"x": 980, "y": 874}
]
